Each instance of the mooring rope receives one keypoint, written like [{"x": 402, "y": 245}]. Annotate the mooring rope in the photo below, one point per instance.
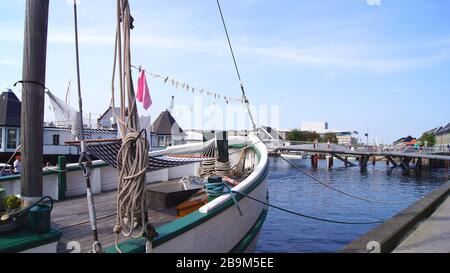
[
  {"x": 343, "y": 192},
  {"x": 304, "y": 215},
  {"x": 216, "y": 189}
]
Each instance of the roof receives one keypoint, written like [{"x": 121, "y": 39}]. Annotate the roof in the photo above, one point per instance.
[
  {"x": 165, "y": 124},
  {"x": 444, "y": 130},
  {"x": 412, "y": 142},
  {"x": 116, "y": 110},
  {"x": 10, "y": 109},
  {"x": 434, "y": 130},
  {"x": 404, "y": 140}
]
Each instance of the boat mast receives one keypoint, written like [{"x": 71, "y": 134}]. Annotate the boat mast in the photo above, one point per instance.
[{"x": 33, "y": 80}]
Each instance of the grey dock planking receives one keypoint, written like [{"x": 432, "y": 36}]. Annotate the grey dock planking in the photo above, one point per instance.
[
  {"x": 434, "y": 208},
  {"x": 432, "y": 235},
  {"x": 72, "y": 218}
]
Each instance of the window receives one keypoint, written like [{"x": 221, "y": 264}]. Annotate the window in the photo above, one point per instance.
[
  {"x": 161, "y": 141},
  {"x": 169, "y": 141},
  {"x": 11, "y": 141},
  {"x": 1, "y": 138},
  {"x": 56, "y": 140}
]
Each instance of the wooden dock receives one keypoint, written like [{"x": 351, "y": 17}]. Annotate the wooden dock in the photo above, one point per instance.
[{"x": 72, "y": 218}]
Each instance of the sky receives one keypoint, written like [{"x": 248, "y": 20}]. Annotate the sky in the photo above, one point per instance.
[{"x": 377, "y": 66}]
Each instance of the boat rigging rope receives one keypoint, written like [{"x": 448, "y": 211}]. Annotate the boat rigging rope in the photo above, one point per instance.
[
  {"x": 340, "y": 191},
  {"x": 132, "y": 162},
  {"x": 132, "y": 159},
  {"x": 236, "y": 67},
  {"x": 85, "y": 161},
  {"x": 304, "y": 215}
]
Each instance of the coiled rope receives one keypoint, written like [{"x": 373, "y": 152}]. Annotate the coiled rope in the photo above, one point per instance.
[
  {"x": 208, "y": 168},
  {"x": 132, "y": 159},
  {"x": 304, "y": 215},
  {"x": 222, "y": 168},
  {"x": 132, "y": 162},
  {"x": 340, "y": 191}
]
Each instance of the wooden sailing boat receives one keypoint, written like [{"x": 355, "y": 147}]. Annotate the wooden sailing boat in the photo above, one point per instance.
[{"x": 228, "y": 175}]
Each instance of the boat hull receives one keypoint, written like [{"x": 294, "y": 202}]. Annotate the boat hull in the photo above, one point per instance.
[
  {"x": 227, "y": 231},
  {"x": 217, "y": 227}
]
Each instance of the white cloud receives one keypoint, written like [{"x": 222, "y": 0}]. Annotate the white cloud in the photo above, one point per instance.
[
  {"x": 318, "y": 54},
  {"x": 373, "y": 2}
]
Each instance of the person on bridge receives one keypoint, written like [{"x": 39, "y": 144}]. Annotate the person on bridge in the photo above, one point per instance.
[{"x": 329, "y": 145}]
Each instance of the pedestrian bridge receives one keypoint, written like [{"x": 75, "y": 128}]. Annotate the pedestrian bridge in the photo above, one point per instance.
[{"x": 399, "y": 157}]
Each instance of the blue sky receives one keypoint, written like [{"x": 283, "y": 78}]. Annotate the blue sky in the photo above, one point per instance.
[{"x": 382, "y": 68}]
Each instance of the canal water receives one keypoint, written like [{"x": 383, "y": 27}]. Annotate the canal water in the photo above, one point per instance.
[{"x": 292, "y": 190}]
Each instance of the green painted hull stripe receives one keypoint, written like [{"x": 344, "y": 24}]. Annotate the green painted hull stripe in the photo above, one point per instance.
[
  {"x": 182, "y": 225},
  {"x": 25, "y": 240}
]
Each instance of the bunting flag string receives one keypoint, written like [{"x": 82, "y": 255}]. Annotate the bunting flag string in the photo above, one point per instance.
[{"x": 189, "y": 88}]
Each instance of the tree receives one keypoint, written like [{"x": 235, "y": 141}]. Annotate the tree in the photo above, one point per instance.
[
  {"x": 331, "y": 137},
  {"x": 428, "y": 140},
  {"x": 297, "y": 135}
]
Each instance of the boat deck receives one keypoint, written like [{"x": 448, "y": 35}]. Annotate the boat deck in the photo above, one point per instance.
[{"x": 72, "y": 218}]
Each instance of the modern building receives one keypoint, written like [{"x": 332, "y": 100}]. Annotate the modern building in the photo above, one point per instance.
[
  {"x": 314, "y": 126},
  {"x": 344, "y": 137},
  {"x": 347, "y": 139}
]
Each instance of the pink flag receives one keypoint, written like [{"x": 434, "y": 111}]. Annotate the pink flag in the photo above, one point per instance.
[{"x": 143, "y": 94}]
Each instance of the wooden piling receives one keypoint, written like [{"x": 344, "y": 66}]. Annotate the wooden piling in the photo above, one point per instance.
[
  {"x": 330, "y": 162},
  {"x": 363, "y": 160},
  {"x": 33, "y": 77},
  {"x": 315, "y": 161}
]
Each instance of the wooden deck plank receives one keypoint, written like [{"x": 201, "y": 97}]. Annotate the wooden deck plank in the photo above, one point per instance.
[{"x": 72, "y": 218}]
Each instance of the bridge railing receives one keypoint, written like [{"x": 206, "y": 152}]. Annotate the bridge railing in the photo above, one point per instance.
[{"x": 369, "y": 148}]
